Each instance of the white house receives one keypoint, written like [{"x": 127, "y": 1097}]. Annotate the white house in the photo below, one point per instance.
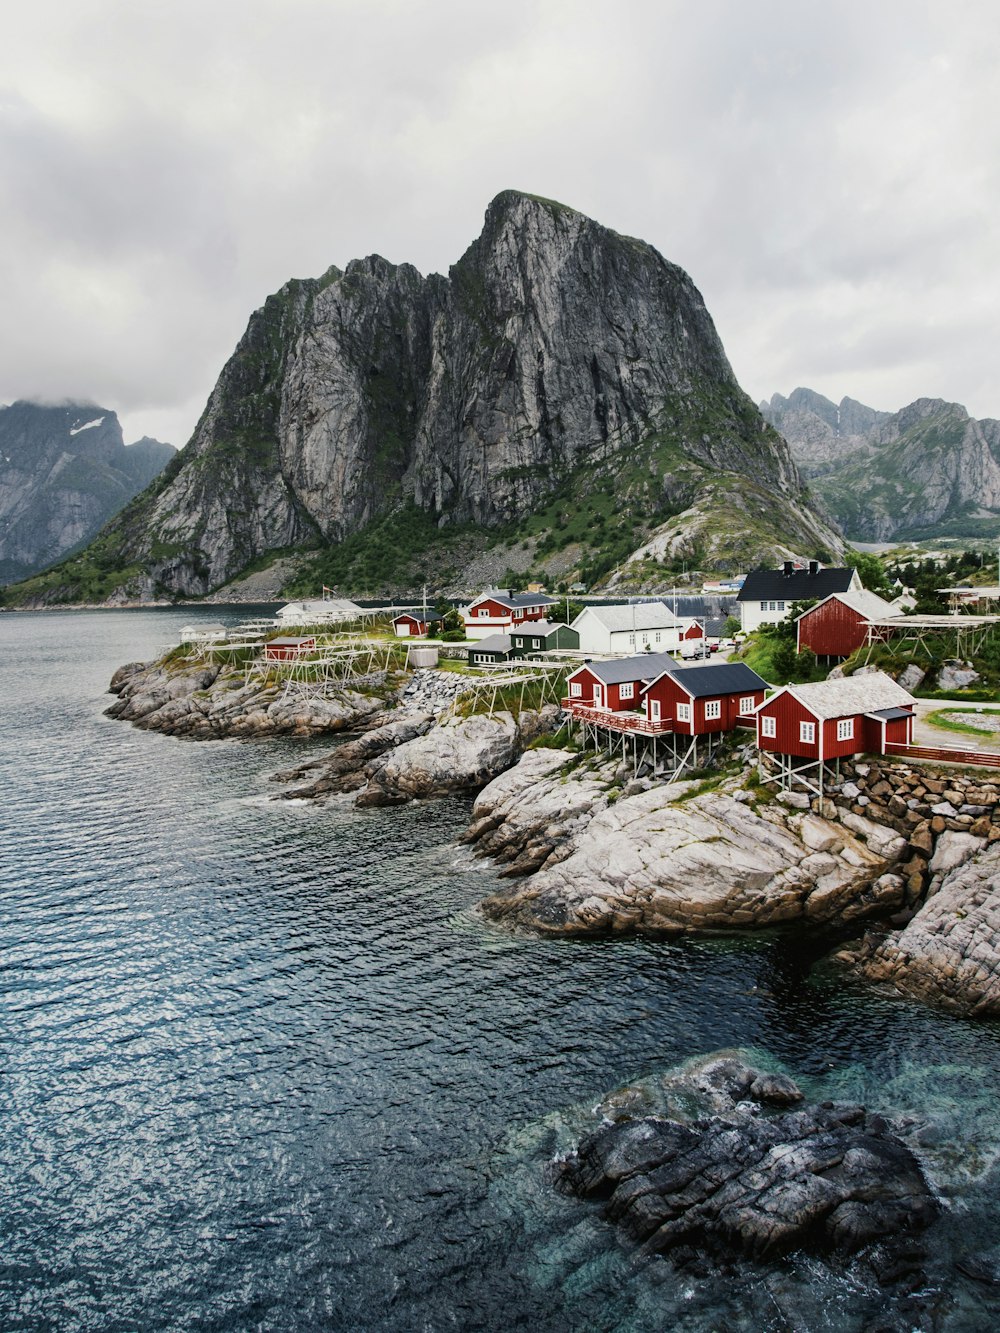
[
  {"x": 630, "y": 629},
  {"x": 318, "y": 611},
  {"x": 767, "y": 594}
]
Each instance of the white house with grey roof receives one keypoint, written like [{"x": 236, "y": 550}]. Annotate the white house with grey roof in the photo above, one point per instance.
[{"x": 635, "y": 628}]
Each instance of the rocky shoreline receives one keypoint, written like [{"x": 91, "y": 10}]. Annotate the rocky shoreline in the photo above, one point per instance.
[{"x": 909, "y": 854}]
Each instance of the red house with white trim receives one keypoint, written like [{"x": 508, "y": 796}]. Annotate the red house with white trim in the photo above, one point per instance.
[
  {"x": 411, "y": 624},
  {"x": 615, "y": 686},
  {"x": 498, "y": 609},
  {"x": 834, "y": 719},
  {"x": 287, "y": 648},
  {"x": 701, "y": 700},
  {"x": 837, "y": 626}
]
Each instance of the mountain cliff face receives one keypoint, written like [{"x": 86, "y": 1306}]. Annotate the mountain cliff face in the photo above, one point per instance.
[
  {"x": 929, "y": 470},
  {"x": 64, "y": 471},
  {"x": 556, "y": 355}
]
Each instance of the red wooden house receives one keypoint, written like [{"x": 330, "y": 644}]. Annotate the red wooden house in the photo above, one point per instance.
[
  {"x": 498, "y": 609},
  {"x": 700, "y": 700},
  {"x": 287, "y": 648},
  {"x": 412, "y": 624},
  {"x": 836, "y": 718},
  {"x": 615, "y": 686},
  {"x": 837, "y": 625}
]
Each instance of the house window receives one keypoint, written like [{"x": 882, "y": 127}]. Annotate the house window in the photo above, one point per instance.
[
  {"x": 576, "y": 689},
  {"x": 780, "y": 606},
  {"x": 713, "y": 710},
  {"x": 769, "y": 726},
  {"x": 845, "y": 729},
  {"x": 626, "y": 691},
  {"x": 631, "y": 640},
  {"x": 807, "y": 733},
  {"x": 746, "y": 705},
  {"x": 683, "y": 712},
  {"x": 536, "y": 643},
  {"x": 657, "y": 636},
  {"x": 483, "y": 611}
]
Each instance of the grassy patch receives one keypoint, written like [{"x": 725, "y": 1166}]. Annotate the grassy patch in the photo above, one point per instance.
[{"x": 943, "y": 718}]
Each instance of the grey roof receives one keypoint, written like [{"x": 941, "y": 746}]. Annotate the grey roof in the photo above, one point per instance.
[
  {"x": 890, "y": 714},
  {"x": 865, "y": 693},
  {"x": 796, "y": 586},
  {"x": 714, "y": 678},
  {"x": 869, "y": 605},
  {"x": 644, "y": 666},
  {"x": 513, "y": 600},
  {"x": 637, "y": 616},
  {"x": 493, "y": 643},
  {"x": 713, "y": 626}
]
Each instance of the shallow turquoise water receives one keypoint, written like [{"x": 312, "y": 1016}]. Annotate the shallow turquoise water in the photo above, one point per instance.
[{"x": 263, "y": 1066}]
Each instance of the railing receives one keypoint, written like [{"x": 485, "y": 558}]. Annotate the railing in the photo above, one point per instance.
[
  {"x": 625, "y": 722},
  {"x": 978, "y": 757}
]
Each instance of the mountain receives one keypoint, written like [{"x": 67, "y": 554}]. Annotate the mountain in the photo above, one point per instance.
[
  {"x": 928, "y": 470},
  {"x": 64, "y": 471},
  {"x": 562, "y": 391}
]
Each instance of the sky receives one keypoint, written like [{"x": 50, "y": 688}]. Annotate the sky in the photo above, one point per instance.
[{"x": 827, "y": 173}]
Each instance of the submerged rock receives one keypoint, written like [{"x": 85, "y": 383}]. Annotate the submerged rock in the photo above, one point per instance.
[{"x": 749, "y": 1179}]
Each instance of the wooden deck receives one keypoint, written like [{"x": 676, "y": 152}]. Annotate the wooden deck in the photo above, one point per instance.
[{"x": 626, "y": 723}]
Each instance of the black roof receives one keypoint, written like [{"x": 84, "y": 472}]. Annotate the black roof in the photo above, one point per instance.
[
  {"x": 515, "y": 600},
  {"x": 795, "y": 586},
  {"x": 890, "y": 714},
  {"x": 714, "y": 678}
]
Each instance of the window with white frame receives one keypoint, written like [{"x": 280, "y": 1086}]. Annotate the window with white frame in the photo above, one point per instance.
[
  {"x": 631, "y": 640},
  {"x": 683, "y": 712},
  {"x": 746, "y": 705},
  {"x": 845, "y": 729},
  {"x": 807, "y": 733},
  {"x": 713, "y": 710},
  {"x": 656, "y": 636},
  {"x": 483, "y": 611},
  {"x": 780, "y": 606},
  {"x": 769, "y": 726},
  {"x": 626, "y": 690},
  {"x": 575, "y": 689}
]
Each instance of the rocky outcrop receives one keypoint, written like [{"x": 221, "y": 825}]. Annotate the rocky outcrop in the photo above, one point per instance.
[
  {"x": 554, "y": 350},
  {"x": 678, "y": 858},
  {"x": 928, "y": 466},
  {"x": 202, "y": 701},
  {"x": 64, "y": 471},
  {"x": 949, "y": 953},
  {"x": 751, "y": 1178}
]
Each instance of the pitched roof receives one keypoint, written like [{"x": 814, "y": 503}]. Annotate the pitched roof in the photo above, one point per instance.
[
  {"x": 644, "y": 666},
  {"x": 869, "y": 692},
  {"x": 867, "y": 604},
  {"x": 540, "y": 627},
  {"x": 514, "y": 600},
  {"x": 637, "y": 615},
  {"x": 795, "y": 586},
  {"x": 714, "y": 678},
  {"x": 493, "y": 643}
]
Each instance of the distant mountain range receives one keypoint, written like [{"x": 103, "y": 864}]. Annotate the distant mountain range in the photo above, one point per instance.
[
  {"x": 561, "y": 399},
  {"x": 929, "y": 470},
  {"x": 64, "y": 471}
]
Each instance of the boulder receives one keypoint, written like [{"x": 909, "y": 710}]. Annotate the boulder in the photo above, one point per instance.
[{"x": 462, "y": 754}]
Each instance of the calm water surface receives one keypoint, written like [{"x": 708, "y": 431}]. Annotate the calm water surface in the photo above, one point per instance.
[{"x": 263, "y": 1066}]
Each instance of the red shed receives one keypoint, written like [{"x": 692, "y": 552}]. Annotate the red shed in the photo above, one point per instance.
[
  {"x": 287, "y": 649},
  {"x": 412, "y": 623},
  {"x": 698, "y": 700},
  {"x": 615, "y": 686},
  {"x": 836, "y": 626},
  {"x": 836, "y": 718},
  {"x": 696, "y": 630}
]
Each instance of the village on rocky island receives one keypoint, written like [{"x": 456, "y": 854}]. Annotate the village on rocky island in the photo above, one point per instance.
[{"x": 633, "y": 772}]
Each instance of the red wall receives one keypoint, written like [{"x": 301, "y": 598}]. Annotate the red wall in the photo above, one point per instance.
[
  {"x": 694, "y": 632},
  {"x": 788, "y": 713},
  {"x": 416, "y": 625},
  {"x": 498, "y": 612},
  {"x": 287, "y": 652},
  {"x": 670, "y": 694},
  {"x": 831, "y": 630},
  {"x": 612, "y": 693}
]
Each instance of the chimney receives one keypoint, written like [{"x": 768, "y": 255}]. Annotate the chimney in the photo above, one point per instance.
[
  {"x": 786, "y": 568},
  {"x": 813, "y": 568}
]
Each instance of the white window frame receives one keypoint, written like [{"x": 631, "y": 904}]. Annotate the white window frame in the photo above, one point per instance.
[
  {"x": 483, "y": 611},
  {"x": 656, "y": 636},
  {"x": 780, "y": 606},
  {"x": 713, "y": 710},
  {"x": 626, "y": 690},
  {"x": 845, "y": 729},
  {"x": 631, "y": 640},
  {"x": 575, "y": 689},
  {"x": 683, "y": 712},
  {"x": 807, "y": 733},
  {"x": 769, "y": 726},
  {"x": 746, "y": 705}
]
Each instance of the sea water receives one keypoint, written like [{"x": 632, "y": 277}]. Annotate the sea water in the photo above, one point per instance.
[{"x": 265, "y": 1067}]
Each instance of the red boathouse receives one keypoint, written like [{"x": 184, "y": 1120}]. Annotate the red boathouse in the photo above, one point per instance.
[{"x": 288, "y": 649}]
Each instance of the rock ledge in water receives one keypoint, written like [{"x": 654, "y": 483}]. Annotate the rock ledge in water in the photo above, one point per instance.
[{"x": 748, "y": 1178}]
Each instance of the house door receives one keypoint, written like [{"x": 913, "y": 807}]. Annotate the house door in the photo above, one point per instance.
[
  {"x": 654, "y": 710},
  {"x": 598, "y": 696}
]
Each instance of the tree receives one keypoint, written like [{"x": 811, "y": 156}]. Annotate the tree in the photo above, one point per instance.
[{"x": 870, "y": 569}]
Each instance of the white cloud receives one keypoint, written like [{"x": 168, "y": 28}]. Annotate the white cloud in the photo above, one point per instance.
[{"x": 828, "y": 174}]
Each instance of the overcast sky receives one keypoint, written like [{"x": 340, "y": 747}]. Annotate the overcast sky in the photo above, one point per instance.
[{"x": 828, "y": 173}]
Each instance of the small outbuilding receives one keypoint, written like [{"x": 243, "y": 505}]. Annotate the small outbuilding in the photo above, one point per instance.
[
  {"x": 543, "y": 636},
  {"x": 495, "y": 650},
  {"x": 289, "y": 648},
  {"x": 413, "y": 624}
]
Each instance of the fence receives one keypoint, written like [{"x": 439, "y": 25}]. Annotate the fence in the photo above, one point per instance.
[{"x": 978, "y": 757}]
